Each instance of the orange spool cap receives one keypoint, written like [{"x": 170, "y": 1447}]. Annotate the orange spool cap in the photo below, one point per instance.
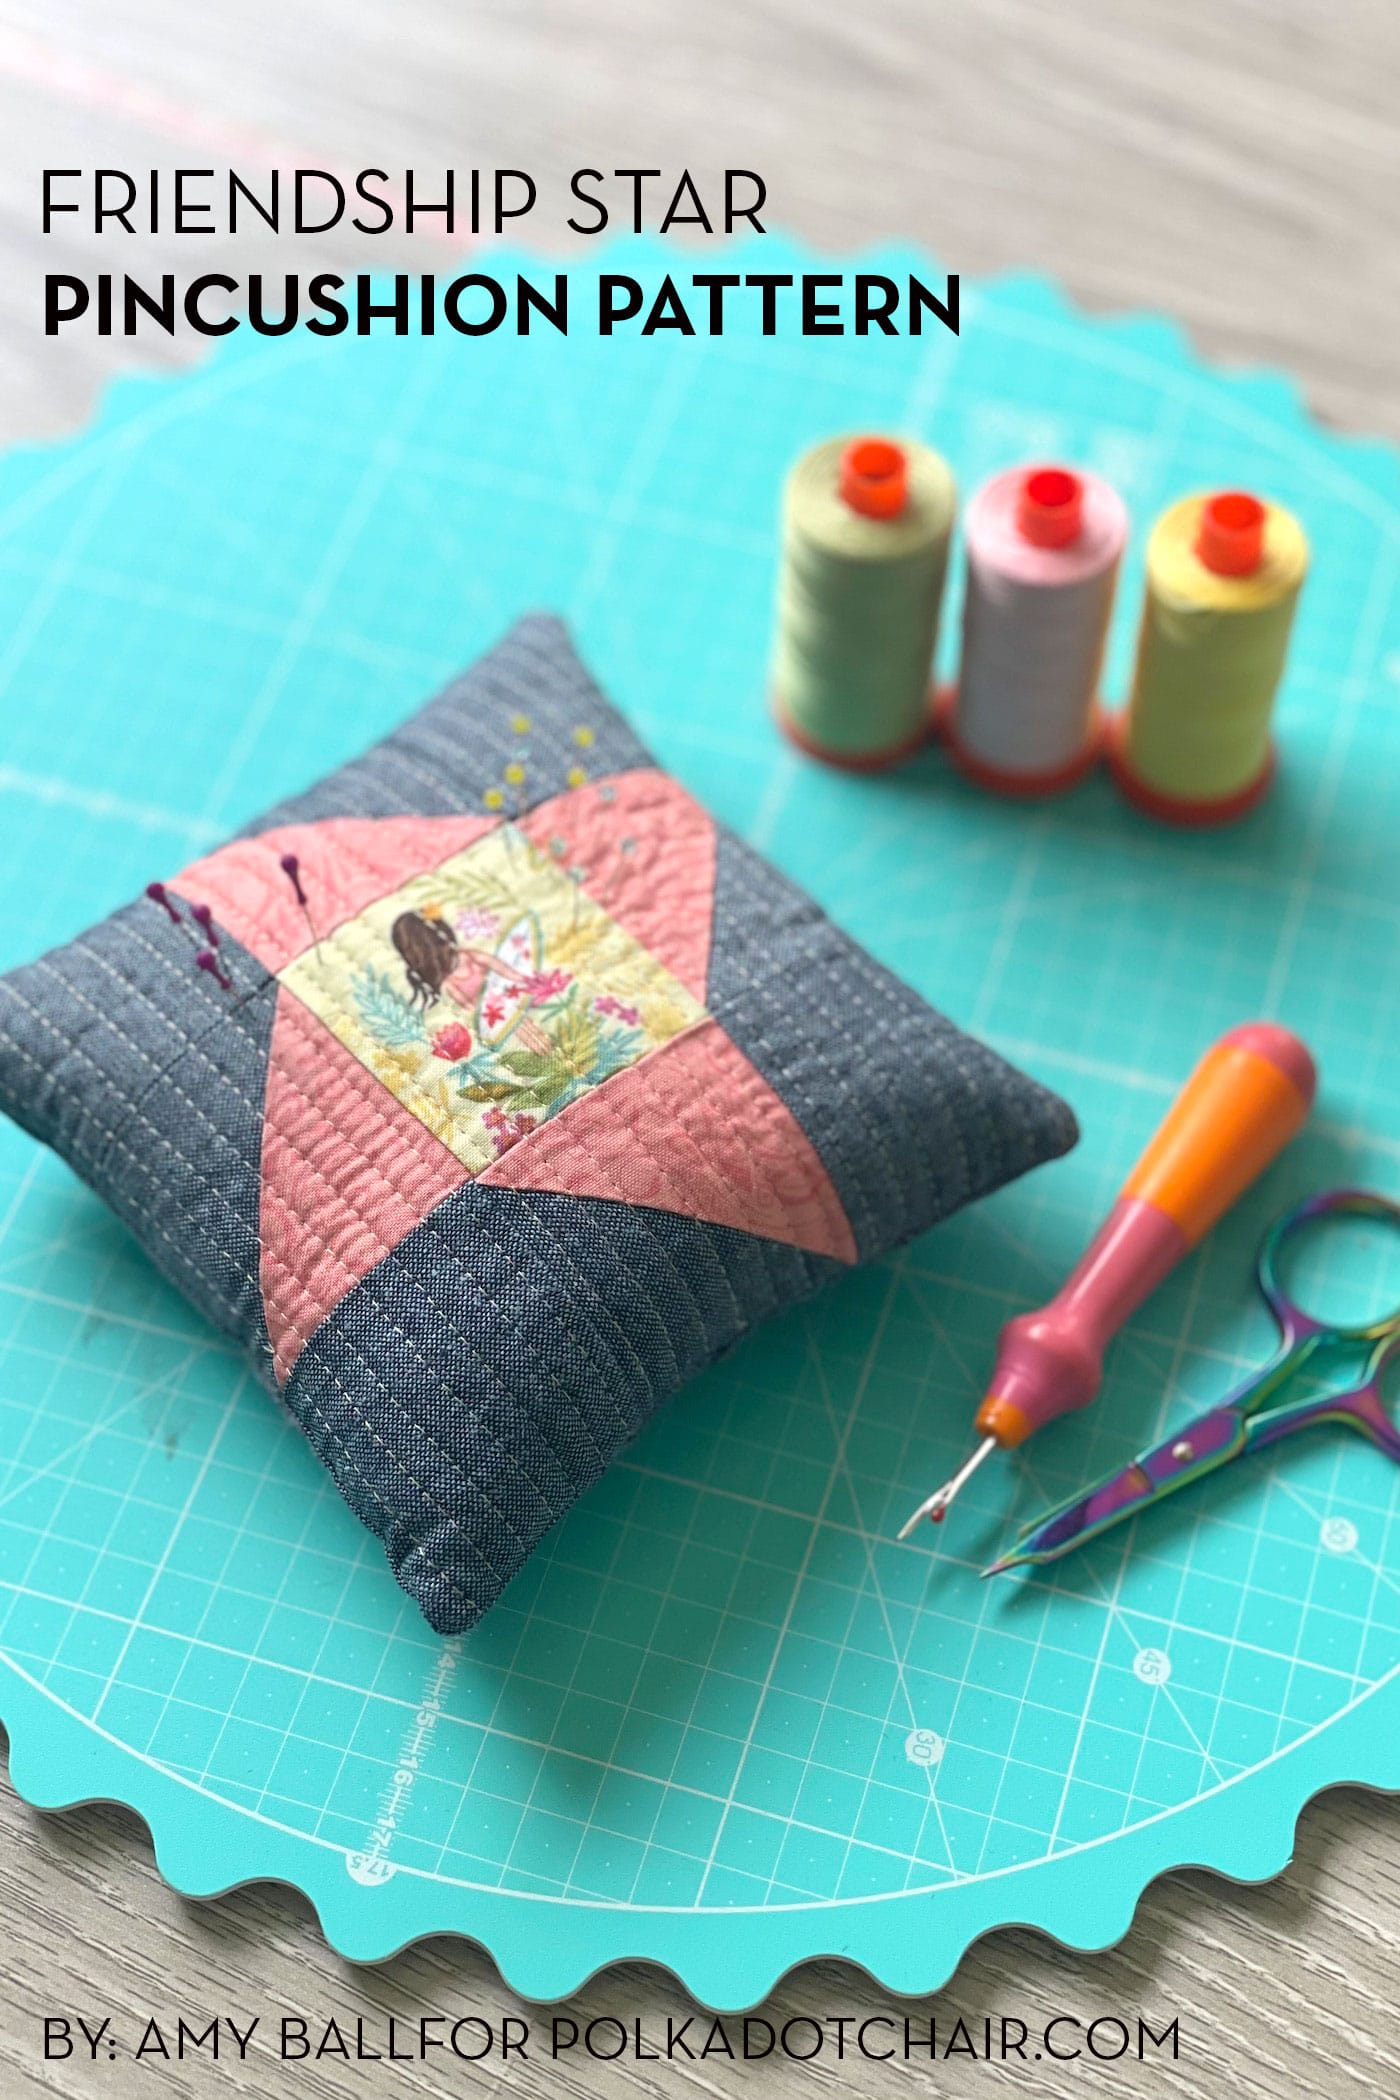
[
  {"x": 1230, "y": 541},
  {"x": 874, "y": 477},
  {"x": 1050, "y": 508}
]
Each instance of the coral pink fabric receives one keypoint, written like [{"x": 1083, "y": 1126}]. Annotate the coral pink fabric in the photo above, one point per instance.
[
  {"x": 693, "y": 1128},
  {"x": 346, "y": 1172},
  {"x": 648, "y": 849},
  {"x": 346, "y": 863}
]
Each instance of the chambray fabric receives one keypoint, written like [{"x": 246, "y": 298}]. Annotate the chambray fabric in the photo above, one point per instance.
[
  {"x": 468, "y": 1388},
  {"x": 136, "y": 1068},
  {"x": 901, "y": 1155}
]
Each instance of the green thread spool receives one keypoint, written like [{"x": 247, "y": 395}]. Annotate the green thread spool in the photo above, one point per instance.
[
  {"x": 1223, "y": 577},
  {"x": 866, "y": 529}
]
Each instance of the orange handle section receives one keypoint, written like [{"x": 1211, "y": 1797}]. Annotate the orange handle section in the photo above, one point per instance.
[{"x": 1246, "y": 1098}]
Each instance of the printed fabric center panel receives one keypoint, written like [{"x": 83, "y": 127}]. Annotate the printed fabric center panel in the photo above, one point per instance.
[{"x": 490, "y": 993}]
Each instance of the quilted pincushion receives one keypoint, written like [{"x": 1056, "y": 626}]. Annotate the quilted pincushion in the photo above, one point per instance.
[{"x": 488, "y": 1091}]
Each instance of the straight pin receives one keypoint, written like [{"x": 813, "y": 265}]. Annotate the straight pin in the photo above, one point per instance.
[
  {"x": 159, "y": 894},
  {"x": 204, "y": 919},
  {"x": 291, "y": 868}
]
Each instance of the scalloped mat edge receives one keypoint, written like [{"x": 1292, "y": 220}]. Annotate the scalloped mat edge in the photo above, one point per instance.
[{"x": 1349, "y": 1749}]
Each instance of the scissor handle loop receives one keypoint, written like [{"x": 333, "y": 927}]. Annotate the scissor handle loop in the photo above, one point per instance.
[{"x": 1295, "y": 1320}]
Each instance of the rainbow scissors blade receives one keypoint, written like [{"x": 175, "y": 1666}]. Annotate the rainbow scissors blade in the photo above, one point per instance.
[{"x": 1254, "y": 1414}]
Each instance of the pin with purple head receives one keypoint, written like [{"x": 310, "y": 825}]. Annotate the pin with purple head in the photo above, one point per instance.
[
  {"x": 204, "y": 919},
  {"x": 207, "y": 957},
  {"x": 208, "y": 960},
  {"x": 291, "y": 868},
  {"x": 159, "y": 894}
]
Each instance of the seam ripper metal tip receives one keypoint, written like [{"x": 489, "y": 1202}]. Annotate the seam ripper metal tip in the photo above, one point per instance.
[{"x": 1248, "y": 1096}]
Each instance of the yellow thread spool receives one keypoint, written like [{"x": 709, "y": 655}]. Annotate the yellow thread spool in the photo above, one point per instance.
[
  {"x": 866, "y": 530},
  {"x": 1223, "y": 577}
]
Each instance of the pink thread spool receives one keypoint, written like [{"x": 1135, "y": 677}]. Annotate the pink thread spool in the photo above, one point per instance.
[{"x": 1043, "y": 549}]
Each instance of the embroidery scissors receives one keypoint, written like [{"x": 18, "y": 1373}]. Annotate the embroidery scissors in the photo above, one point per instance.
[{"x": 1257, "y": 1413}]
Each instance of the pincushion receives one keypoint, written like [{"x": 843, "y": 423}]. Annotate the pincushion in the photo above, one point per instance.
[{"x": 487, "y": 1092}]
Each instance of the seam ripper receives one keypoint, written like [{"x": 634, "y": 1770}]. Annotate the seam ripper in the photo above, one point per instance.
[{"x": 1247, "y": 1097}]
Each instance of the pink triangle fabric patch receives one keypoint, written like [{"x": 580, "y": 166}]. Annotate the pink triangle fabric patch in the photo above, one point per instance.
[
  {"x": 694, "y": 1128},
  {"x": 344, "y": 864},
  {"x": 347, "y": 1171},
  {"x": 647, "y": 854}
]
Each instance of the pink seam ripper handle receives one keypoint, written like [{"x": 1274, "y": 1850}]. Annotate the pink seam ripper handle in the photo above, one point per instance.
[{"x": 1246, "y": 1098}]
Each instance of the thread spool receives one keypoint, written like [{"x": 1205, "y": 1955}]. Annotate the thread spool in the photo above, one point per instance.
[
  {"x": 866, "y": 529},
  {"x": 1043, "y": 548},
  {"x": 1223, "y": 576}
]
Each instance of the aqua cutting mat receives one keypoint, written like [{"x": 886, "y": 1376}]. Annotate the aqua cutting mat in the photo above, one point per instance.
[{"x": 723, "y": 1721}]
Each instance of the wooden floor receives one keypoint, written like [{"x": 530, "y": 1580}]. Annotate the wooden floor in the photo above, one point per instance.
[{"x": 1235, "y": 164}]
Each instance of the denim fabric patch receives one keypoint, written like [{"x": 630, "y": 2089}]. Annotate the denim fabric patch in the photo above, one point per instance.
[{"x": 484, "y": 1093}]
